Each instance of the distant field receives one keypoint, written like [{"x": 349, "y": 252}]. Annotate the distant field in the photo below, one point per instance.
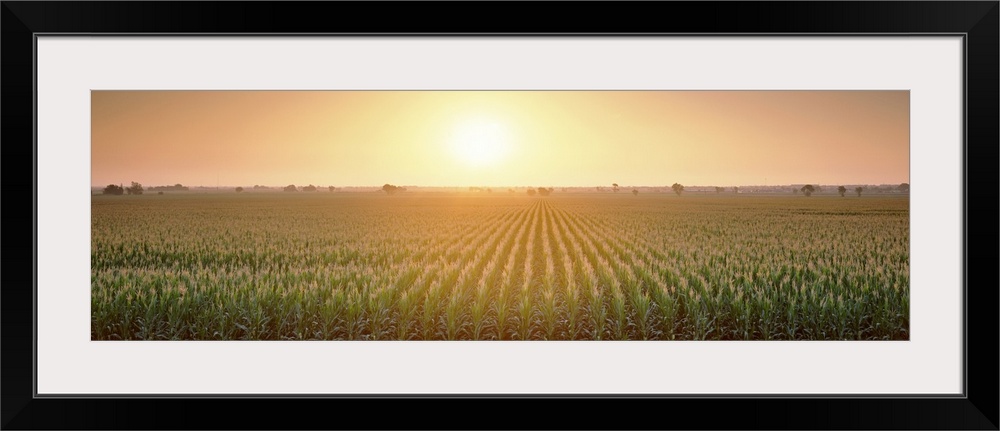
[{"x": 463, "y": 266}]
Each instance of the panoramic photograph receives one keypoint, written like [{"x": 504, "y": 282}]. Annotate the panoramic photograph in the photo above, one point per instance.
[{"x": 500, "y": 215}]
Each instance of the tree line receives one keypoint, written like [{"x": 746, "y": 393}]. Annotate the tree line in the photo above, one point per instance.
[
  {"x": 134, "y": 189},
  {"x": 390, "y": 189}
]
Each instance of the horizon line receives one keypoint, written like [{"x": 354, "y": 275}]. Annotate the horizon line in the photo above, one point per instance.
[{"x": 514, "y": 186}]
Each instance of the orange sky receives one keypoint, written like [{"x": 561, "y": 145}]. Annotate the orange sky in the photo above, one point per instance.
[{"x": 499, "y": 138}]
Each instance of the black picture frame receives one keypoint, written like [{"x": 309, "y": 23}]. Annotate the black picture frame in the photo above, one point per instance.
[{"x": 977, "y": 22}]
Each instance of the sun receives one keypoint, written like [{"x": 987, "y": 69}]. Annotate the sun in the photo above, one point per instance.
[{"x": 480, "y": 142}]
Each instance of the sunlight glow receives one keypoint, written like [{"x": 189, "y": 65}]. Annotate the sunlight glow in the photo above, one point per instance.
[{"x": 480, "y": 142}]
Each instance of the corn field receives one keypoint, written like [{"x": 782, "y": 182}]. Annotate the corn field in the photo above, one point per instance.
[{"x": 453, "y": 266}]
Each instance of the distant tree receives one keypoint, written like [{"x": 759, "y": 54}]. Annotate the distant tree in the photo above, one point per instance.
[
  {"x": 510, "y": 190},
  {"x": 112, "y": 189},
  {"x": 905, "y": 187},
  {"x": 309, "y": 188},
  {"x": 291, "y": 188},
  {"x": 332, "y": 188},
  {"x": 677, "y": 188},
  {"x": 808, "y": 189},
  {"x": 239, "y": 189},
  {"x": 720, "y": 189},
  {"x": 841, "y": 190},
  {"x": 135, "y": 189},
  {"x": 545, "y": 191},
  {"x": 614, "y": 187},
  {"x": 489, "y": 190},
  {"x": 736, "y": 189},
  {"x": 635, "y": 192},
  {"x": 173, "y": 188},
  {"x": 858, "y": 190},
  {"x": 390, "y": 189},
  {"x": 531, "y": 191},
  {"x": 159, "y": 193},
  {"x": 795, "y": 191}
]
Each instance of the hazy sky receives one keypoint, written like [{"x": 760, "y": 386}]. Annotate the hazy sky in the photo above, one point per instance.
[{"x": 499, "y": 138}]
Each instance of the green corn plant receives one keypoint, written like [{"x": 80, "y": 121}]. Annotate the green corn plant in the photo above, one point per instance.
[
  {"x": 767, "y": 317},
  {"x": 500, "y": 311},
  {"x": 643, "y": 306},
  {"x": 743, "y": 312},
  {"x": 453, "y": 314},
  {"x": 791, "y": 321},
  {"x": 354, "y": 315},
  {"x": 331, "y": 315},
  {"x": 619, "y": 317},
  {"x": 572, "y": 299},
  {"x": 524, "y": 315},
  {"x": 668, "y": 311},
  {"x": 598, "y": 314},
  {"x": 702, "y": 320},
  {"x": 478, "y": 310},
  {"x": 406, "y": 308},
  {"x": 428, "y": 319},
  {"x": 548, "y": 310},
  {"x": 378, "y": 312}
]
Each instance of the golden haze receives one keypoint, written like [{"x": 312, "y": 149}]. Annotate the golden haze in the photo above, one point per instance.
[{"x": 499, "y": 138}]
